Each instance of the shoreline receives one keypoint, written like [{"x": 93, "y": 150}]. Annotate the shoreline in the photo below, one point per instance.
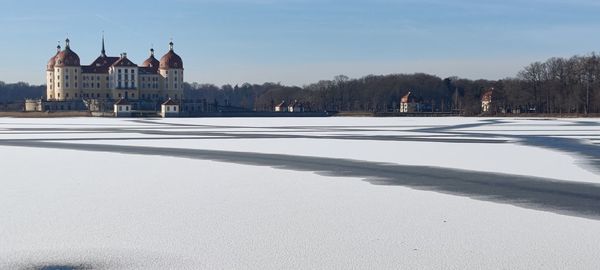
[{"x": 62, "y": 114}]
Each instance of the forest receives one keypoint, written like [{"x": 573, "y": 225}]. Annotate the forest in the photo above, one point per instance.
[{"x": 555, "y": 86}]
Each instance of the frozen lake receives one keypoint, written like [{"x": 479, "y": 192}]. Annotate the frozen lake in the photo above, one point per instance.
[{"x": 308, "y": 193}]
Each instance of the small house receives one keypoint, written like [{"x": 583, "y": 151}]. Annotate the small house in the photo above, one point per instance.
[
  {"x": 169, "y": 108},
  {"x": 296, "y": 107},
  {"x": 281, "y": 107},
  {"x": 486, "y": 100},
  {"x": 122, "y": 108},
  {"x": 408, "y": 103}
]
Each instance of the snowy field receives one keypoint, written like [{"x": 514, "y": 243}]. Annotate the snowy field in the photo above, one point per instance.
[{"x": 300, "y": 193}]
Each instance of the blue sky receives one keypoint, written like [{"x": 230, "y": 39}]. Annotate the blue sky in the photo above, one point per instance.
[{"x": 302, "y": 41}]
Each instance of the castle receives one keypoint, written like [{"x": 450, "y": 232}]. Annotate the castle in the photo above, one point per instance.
[{"x": 113, "y": 78}]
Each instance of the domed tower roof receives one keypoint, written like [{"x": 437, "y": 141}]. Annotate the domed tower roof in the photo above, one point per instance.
[
  {"x": 171, "y": 59},
  {"x": 52, "y": 61},
  {"x": 67, "y": 58},
  {"x": 151, "y": 62}
]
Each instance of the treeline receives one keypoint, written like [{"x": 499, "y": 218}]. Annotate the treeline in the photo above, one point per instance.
[
  {"x": 17, "y": 92},
  {"x": 558, "y": 85},
  {"x": 371, "y": 93}
]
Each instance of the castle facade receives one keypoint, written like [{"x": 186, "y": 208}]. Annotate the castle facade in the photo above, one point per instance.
[{"x": 113, "y": 78}]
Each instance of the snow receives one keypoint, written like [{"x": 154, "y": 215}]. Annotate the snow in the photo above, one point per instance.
[
  {"x": 510, "y": 158},
  {"x": 126, "y": 211}
]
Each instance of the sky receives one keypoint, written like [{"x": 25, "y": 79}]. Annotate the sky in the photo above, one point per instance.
[{"x": 297, "y": 42}]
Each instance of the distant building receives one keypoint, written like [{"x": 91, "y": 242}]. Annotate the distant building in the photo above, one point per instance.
[
  {"x": 296, "y": 107},
  {"x": 409, "y": 104},
  {"x": 486, "y": 100},
  {"x": 169, "y": 108},
  {"x": 282, "y": 107},
  {"x": 113, "y": 78},
  {"x": 122, "y": 108}
]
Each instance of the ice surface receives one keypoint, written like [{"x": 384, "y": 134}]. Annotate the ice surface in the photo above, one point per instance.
[{"x": 125, "y": 211}]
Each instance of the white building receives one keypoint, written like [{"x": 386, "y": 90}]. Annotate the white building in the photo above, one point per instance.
[
  {"x": 408, "y": 104},
  {"x": 296, "y": 107},
  {"x": 486, "y": 100},
  {"x": 122, "y": 108},
  {"x": 281, "y": 107},
  {"x": 169, "y": 108}
]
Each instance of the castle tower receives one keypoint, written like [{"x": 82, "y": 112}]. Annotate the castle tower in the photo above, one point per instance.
[
  {"x": 67, "y": 70},
  {"x": 50, "y": 75},
  {"x": 171, "y": 69}
]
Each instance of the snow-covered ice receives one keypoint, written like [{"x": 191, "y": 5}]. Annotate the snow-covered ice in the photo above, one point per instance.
[{"x": 121, "y": 210}]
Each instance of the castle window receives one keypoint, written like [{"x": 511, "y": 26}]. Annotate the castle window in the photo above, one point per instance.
[
  {"x": 132, "y": 71},
  {"x": 175, "y": 71},
  {"x": 75, "y": 77},
  {"x": 132, "y": 77},
  {"x": 126, "y": 70},
  {"x": 67, "y": 85},
  {"x": 119, "y": 94},
  {"x": 98, "y": 78},
  {"x": 75, "y": 94},
  {"x": 98, "y": 85},
  {"x": 58, "y": 84},
  {"x": 66, "y": 77},
  {"x": 67, "y": 94},
  {"x": 75, "y": 85},
  {"x": 119, "y": 70}
]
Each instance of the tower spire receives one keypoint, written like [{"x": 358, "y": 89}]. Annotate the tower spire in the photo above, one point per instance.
[{"x": 103, "y": 52}]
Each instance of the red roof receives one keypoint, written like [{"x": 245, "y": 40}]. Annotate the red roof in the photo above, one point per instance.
[
  {"x": 67, "y": 58},
  {"x": 100, "y": 65},
  {"x": 122, "y": 102},
  {"x": 124, "y": 62},
  {"x": 51, "y": 62},
  {"x": 406, "y": 98},
  {"x": 151, "y": 63},
  {"x": 487, "y": 96},
  {"x": 171, "y": 60},
  {"x": 169, "y": 102}
]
